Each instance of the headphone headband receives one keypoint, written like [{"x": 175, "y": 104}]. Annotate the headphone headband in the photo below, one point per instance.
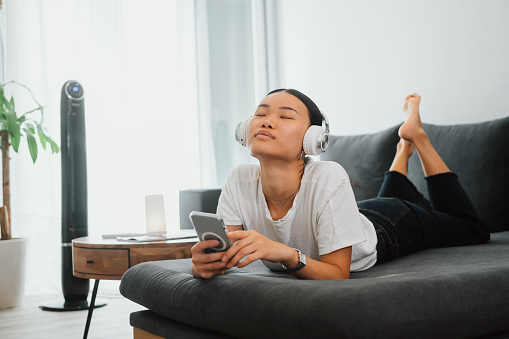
[{"x": 326, "y": 122}]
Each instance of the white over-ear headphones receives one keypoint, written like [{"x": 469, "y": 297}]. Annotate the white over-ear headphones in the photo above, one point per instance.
[{"x": 316, "y": 139}]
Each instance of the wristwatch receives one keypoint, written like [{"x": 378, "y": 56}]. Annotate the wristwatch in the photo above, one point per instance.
[{"x": 301, "y": 265}]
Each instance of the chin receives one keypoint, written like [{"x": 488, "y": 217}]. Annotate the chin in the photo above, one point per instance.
[
  {"x": 274, "y": 155},
  {"x": 258, "y": 153},
  {"x": 262, "y": 149}
]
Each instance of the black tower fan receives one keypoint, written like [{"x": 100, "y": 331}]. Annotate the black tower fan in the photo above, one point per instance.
[{"x": 74, "y": 194}]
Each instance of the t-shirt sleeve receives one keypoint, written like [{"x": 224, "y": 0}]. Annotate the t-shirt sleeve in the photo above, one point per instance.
[
  {"x": 339, "y": 224},
  {"x": 227, "y": 207}
]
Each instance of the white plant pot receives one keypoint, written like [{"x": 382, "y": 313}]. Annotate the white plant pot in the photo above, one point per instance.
[{"x": 12, "y": 272}]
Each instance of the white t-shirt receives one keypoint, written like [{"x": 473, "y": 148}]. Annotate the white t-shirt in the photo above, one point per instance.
[{"x": 324, "y": 216}]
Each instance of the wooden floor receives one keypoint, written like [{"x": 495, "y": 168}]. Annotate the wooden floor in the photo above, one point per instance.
[{"x": 30, "y": 322}]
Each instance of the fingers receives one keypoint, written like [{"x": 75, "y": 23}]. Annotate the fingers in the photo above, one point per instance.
[
  {"x": 252, "y": 249},
  {"x": 210, "y": 274},
  {"x": 238, "y": 245},
  {"x": 241, "y": 253},
  {"x": 207, "y": 264},
  {"x": 249, "y": 245},
  {"x": 239, "y": 234},
  {"x": 208, "y": 257},
  {"x": 202, "y": 245},
  {"x": 211, "y": 266},
  {"x": 250, "y": 258},
  {"x": 250, "y": 253},
  {"x": 207, "y": 260},
  {"x": 200, "y": 273},
  {"x": 209, "y": 269}
]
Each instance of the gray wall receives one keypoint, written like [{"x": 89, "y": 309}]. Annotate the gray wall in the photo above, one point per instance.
[{"x": 359, "y": 59}]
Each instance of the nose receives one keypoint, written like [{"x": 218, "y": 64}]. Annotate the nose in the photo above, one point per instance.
[{"x": 267, "y": 124}]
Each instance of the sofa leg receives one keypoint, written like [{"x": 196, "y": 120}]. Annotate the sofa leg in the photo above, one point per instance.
[{"x": 140, "y": 334}]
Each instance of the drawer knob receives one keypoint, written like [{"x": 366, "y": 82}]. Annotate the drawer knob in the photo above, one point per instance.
[{"x": 90, "y": 261}]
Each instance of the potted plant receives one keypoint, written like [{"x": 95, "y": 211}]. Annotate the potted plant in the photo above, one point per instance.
[{"x": 13, "y": 128}]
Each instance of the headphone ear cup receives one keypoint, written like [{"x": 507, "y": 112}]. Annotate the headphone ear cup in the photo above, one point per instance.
[
  {"x": 316, "y": 140},
  {"x": 241, "y": 132}
]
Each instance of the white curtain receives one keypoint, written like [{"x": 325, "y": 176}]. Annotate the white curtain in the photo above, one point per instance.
[
  {"x": 232, "y": 78},
  {"x": 136, "y": 61}
]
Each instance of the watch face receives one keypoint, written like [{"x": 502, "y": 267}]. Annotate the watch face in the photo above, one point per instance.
[
  {"x": 302, "y": 258},
  {"x": 300, "y": 265},
  {"x": 74, "y": 90}
]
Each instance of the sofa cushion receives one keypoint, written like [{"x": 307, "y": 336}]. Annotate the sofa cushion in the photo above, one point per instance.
[
  {"x": 445, "y": 292},
  {"x": 476, "y": 152},
  {"x": 365, "y": 158}
]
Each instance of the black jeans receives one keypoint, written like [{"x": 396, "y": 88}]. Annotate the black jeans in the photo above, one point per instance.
[{"x": 405, "y": 222}]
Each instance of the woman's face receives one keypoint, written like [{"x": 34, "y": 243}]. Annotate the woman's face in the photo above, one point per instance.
[{"x": 277, "y": 128}]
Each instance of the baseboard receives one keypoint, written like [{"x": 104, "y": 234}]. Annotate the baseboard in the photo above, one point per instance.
[{"x": 140, "y": 334}]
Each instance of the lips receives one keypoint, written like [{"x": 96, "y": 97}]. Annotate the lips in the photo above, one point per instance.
[{"x": 264, "y": 133}]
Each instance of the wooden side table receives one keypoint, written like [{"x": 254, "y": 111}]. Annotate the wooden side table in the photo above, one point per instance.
[{"x": 97, "y": 258}]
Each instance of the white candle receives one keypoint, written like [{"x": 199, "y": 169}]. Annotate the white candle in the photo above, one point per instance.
[{"x": 154, "y": 212}]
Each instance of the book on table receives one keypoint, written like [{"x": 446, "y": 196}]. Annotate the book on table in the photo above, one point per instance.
[{"x": 146, "y": 237}]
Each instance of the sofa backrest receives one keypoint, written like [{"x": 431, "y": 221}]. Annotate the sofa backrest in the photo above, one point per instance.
[{"x": 478, "y": 153}]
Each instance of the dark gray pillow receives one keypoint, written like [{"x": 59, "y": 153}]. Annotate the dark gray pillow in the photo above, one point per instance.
[
  {"x": 365, "y": 158},
  {"x": 476, "y": 152}
]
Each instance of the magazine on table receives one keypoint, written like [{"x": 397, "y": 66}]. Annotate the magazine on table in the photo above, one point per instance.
[{"x": 148, "y": 237}]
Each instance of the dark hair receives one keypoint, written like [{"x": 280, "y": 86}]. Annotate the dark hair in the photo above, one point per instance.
[{"x": 315, "y": 116}]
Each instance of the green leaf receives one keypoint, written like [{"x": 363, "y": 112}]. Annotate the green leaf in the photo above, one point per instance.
[
  {"x": 54, "y": 146},
  {"x": 11, "y": 104},
  {"x": 24, "y": 126},
  {"x": 30, "y": 127},
  {"x": 15, "y": 138},
  {"x": 11, "y": 122},
  {"x": 42, "y": 136},
  {"x": 3, "y": 99},
  {"x": 32, "y": 146}
]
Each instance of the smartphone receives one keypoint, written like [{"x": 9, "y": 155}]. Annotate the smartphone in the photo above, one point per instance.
[{"x": 210, "y": 226}]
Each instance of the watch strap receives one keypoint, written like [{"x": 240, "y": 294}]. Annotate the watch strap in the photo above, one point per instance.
[{"x": 300, "y": 265}]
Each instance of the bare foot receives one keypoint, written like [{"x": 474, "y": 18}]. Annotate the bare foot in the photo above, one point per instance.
[{"x": 412, "y": 127}]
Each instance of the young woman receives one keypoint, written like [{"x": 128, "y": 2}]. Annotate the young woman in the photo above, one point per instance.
[{"x": 303, "y": 214}]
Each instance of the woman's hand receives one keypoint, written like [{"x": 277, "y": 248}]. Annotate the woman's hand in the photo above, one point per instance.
[
  {"x": 207, "y": 265},
  {"x": 256, "y": 246}
]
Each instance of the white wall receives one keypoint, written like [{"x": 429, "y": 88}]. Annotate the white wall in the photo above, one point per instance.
[{"x": 359, "y": 59}]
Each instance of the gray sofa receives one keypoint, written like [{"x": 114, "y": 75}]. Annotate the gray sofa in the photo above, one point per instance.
[{"x": 456, "y": 292}]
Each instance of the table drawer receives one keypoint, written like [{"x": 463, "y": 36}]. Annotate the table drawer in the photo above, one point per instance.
[{"x": 100, "y": 261}]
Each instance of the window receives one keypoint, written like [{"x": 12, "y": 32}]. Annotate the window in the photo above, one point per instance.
[
  {"x": 232, "y": 79},
  {"x": 136, "y": 62}
]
